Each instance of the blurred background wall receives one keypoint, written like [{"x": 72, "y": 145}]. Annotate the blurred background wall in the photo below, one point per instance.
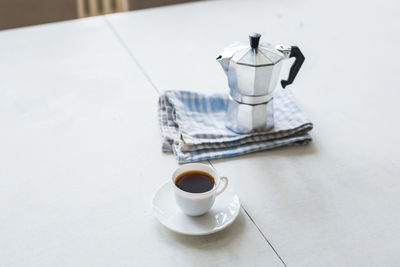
[{"x": 18, "y": 13}]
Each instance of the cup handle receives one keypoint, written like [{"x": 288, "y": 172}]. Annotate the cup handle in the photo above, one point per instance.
[{"x": 220, "y": 189}]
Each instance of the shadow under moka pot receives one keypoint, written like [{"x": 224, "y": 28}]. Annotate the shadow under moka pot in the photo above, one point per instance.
[{"x": 253, "y": 72}]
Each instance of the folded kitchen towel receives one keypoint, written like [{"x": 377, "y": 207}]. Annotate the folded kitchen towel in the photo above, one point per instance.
[{"x": 193, "y": 126}]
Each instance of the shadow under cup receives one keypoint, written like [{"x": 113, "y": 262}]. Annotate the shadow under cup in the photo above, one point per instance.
[{"x": 195, "y": 204}]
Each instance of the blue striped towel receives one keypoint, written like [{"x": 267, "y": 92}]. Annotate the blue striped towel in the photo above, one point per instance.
[{"x": 193, "y": 126}]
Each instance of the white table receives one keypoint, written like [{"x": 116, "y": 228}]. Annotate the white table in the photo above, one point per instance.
[{"x": 80, "y": 153}]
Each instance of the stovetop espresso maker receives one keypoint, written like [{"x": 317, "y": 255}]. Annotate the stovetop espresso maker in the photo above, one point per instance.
[{"x": 253, "y": 72}]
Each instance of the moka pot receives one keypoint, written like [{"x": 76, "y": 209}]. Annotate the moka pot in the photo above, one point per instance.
[{"x": 253, "y": 72}]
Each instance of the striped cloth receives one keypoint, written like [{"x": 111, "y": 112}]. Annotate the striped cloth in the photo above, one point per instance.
[{"x": 193, "y": 126}]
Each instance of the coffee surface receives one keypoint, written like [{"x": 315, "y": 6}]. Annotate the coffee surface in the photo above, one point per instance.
[{"x": 195, "y": 182}]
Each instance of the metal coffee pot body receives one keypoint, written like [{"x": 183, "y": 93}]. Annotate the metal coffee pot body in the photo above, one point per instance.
[{"x": 253, "y": 72}]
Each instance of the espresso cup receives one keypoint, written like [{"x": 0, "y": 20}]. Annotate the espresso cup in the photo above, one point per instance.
[{"x": 195, "y": 204}]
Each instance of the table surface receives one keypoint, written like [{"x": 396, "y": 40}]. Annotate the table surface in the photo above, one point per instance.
[{"x": 80, "y": 155}]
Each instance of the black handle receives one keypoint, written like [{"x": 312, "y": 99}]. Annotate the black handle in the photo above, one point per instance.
[
  {"x": 254, "y": 39},
  {"x": 296, "y": 53}
]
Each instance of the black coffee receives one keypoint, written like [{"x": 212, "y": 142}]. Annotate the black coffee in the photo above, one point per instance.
[{"x": 195, "y": 182}]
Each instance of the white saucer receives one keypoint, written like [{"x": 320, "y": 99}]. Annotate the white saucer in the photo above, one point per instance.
[{"x": 225, "y": 210}]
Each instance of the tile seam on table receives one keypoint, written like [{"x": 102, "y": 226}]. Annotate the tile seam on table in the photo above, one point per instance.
[
  {"x": 263, "y": 235},
  {"x": 259, "y": 229},
  {"x": 135, "y": 60},
  {"x": 131, "y": 55}
]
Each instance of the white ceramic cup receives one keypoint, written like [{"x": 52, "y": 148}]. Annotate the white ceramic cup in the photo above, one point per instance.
[{"x": 195, "y": 204}]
